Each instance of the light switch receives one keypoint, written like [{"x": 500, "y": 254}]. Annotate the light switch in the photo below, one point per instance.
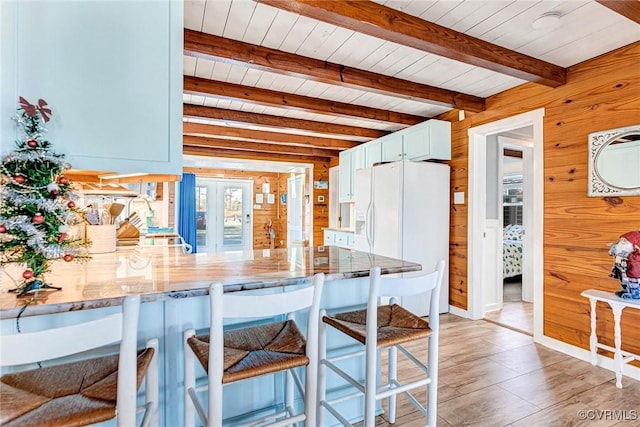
[{"x": 458, "y": 198}]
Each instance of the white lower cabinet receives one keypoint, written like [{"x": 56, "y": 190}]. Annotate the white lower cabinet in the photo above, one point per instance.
[
  {"x": 329, "y": 237},
  {"x": 344, "y": 239}
]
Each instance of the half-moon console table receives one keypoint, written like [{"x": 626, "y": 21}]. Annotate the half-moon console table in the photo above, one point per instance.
[{"x": 617, "y": 304}]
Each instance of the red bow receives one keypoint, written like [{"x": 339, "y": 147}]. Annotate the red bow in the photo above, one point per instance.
[{"x": 31, "y": 109}]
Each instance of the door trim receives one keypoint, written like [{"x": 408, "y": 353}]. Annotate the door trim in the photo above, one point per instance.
[{"x": 477, "y": 211}]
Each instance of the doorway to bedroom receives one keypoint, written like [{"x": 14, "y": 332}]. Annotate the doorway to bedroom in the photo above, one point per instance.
[
  {"x": 487, "y": 142},
  {"x": 514, "y": 297}
]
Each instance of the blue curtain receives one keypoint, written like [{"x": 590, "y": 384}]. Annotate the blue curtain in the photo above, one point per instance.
[{"x": 187, "y": 210}]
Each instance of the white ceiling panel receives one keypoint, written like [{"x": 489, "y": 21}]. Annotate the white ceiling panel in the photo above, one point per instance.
[
  {"x": 300, "y": 31},
  {"x": 259, "y": 25},
  {"x": 215, "y": 16},
  {"x": 585, "y": 30},
  {"x": 328, "y": 47},
  {"x": 194, "y": 14},
  {"x": 238, "y": 18},
  {"x": 279, "y": 29},
  {"x": 188, "y": 65}
]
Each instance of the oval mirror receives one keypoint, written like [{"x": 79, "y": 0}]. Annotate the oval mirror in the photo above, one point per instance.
[{"x": 614, "y": 159}]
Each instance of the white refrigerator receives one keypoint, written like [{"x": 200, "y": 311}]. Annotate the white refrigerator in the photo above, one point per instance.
[{"x": 402, "y": 211}]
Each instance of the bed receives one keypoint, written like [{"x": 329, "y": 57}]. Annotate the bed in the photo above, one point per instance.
[{"x": 512, "y": 251}]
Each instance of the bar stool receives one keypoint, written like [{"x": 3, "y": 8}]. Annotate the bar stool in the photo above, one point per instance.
[
  {"x": 385, "y": 327},
  {"x": 81, "y": 392},
  {"x": 254, "y": 351}
]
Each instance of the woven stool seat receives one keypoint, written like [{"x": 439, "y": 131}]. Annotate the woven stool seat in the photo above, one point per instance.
[
  {"x": 386, "y": 328},
  {"x": 396, "y": 325},
  {"x": 255, "y": 351},
  {"x": 70, "y": 394}
]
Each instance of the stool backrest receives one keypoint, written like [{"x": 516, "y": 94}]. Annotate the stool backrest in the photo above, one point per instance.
[
  {"x": 285, "y": 301},
  {"x": 48, "y": 344},
  {"x": 404, "y": 286},
  {"x": 237, "y": 305}
]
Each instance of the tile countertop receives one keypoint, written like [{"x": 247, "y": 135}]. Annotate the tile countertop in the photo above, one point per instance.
[{"x": 164, "y": 273}]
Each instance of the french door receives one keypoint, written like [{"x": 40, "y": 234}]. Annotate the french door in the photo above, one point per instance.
[
  {"x": 223, "y": 215},
  {"x": 295, "y": 208}
]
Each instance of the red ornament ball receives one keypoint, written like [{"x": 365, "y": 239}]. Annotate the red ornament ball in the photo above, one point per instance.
[
  {"x": 63, "y": 180},
  {"x": 32, "y": 143},
  {"x": 3, "y": 229},
  {"x": 68, "y": 257},
  {"x": 71, "y": 204},
  {"x": 19, "y": 179},
  {"x": 37, "y": 218},
  {"x": 27, "y": 274}
]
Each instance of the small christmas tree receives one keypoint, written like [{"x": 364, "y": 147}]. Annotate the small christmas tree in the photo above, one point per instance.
[{"x": 37, "y": 204}]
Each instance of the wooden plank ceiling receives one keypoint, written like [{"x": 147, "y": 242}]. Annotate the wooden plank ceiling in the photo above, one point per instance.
[{"x": 301, "y": 80}]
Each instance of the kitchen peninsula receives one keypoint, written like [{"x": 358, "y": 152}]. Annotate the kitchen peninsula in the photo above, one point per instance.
[{"x": 172, "y": 286}]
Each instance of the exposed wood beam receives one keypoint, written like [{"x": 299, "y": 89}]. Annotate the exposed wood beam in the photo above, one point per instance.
[
  {"x": 198, "y": 111},
  {"x": 234, "y": 144},
  {"x": 264, "y": 136},
  {"x": 209, "y": 46},
  {"x": 393, "y": 25},
  {"x": 255, "y": 95},
  {"x": 233, "y": 154},
  {"x": 512, "y": 153},
  {"x": 627, "y": 8}
]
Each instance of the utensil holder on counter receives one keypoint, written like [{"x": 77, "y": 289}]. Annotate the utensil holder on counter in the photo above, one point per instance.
[{"x": 102, "y": 238}]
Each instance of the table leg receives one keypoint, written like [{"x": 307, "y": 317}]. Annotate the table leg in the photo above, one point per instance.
[
  {"x": 593, "y": 339},
  {"x": 617, "y": 314}
]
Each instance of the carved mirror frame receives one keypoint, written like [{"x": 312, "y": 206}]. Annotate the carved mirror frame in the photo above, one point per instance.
[{"x": 599, "y": 187}]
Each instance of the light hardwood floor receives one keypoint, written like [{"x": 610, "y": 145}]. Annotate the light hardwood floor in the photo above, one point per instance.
[
  {"x": 515, "y": 313},
  {"x": 494, "y": 376}
]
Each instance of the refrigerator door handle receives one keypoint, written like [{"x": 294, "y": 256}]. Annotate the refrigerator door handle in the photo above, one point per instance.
[
  {"x": 367, "y": 224},
  {"x": 372, "y": 228}
]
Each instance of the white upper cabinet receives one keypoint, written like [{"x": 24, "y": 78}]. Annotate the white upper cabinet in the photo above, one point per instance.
[
  {"x": 392, "y": 148},
  {"x": 373, "y": 153},
  {"x": 424, "y": 141},
  {"x": 430, "y": 140},
  {"x": 111, "y": 73},
  {"x": 357, "y": 158},
  {"x": 345, "y": 181}
]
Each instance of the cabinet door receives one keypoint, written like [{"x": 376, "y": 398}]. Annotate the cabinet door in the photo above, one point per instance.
[
  {"x": 341, "y": 239},
  {"x": 391, "y": 148},
  {"x": 440, "y": 143},
  {"x": 373, "y": 153},
  {"x": 346, "y": 176},
  {"x": 357, "y": 158},
  {"x": 111, "y": 73},
  {"x": 416, "y": 144},
  {"x": 329, "y": 237}
]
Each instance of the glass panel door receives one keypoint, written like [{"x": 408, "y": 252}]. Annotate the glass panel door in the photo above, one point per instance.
[
  {"x": 236, "y": 214},
  {"x": 223, "y": 215},
  {"x": 201, "y": 216}
]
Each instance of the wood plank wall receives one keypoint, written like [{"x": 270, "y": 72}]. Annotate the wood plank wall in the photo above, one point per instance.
[
  {"x": 277, "y": 212},
  {"x": 602, "y": 93}
]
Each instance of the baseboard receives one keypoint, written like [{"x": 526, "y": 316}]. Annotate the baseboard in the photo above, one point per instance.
[
  {"x": 629, "y": 371},
  {"x": 458, "y": 312}
]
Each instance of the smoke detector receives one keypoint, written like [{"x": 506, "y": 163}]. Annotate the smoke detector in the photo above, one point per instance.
[{"x": 546, "y": 21}]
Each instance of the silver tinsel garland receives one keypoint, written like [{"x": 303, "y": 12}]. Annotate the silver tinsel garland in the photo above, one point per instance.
[
  {"x": 37, "y": 239},
  {"x": 54, "y": 206}
]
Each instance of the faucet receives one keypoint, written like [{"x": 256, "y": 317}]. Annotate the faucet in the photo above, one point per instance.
[{"x": 146, "y": 200}]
